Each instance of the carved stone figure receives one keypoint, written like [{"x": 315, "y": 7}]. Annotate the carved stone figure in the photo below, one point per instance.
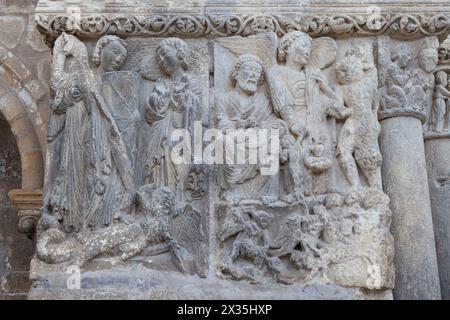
[
  {"x": 397, "y": 77},
  {"x": 120, "y": 89},
  {"x": 358, "y": 139},
  {"x": 173, "y": 104},
  {"x": 89, "y": 177},
  {"x": 440, "y": 104},
  {"x": 246, "y": 107},
  {"x": 300, "y": 92}
]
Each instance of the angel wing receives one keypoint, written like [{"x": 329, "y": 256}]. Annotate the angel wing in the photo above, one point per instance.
[
  {"x": 264, "y": 45},
  {"x": 323, "y": 52},
  {"x": 188, "y": 232}
]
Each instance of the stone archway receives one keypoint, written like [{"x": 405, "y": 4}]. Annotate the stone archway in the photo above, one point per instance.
[{"x": 19, "y": 109}]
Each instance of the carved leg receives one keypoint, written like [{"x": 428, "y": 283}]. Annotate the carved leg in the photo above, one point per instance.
[
  {"x": 133, "y": 248},
  {"x": 345, "y": 156}
]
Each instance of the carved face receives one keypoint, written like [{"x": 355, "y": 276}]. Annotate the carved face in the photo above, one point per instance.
[
  {"x": 168, "y": 59},
  {"x": 299, "y": 52},
  {"x": 113, "y": 56},
  {"x": 403, "y": 58},
  {"x": 428, "y": 60},
  {"x": 348, "y": 70},
  {"x": 248, "y": 76}
]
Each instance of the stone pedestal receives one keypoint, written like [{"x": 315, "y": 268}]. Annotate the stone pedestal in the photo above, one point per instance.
[
  {"x": 405, "y": 181},
  {"x": 437, "y": 151}
]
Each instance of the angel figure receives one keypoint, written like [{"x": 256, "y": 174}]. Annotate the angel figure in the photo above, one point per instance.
[
  {"x": 173, "y": 104},
  {"x": 89, "y": 178},
  {"x": 300, "y": 92},
  {"x": 120, "y": 89}
]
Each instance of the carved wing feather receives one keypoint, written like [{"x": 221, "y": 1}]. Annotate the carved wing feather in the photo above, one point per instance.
[
  {"x": 323, "y": 52},
  {"x": 264, "y": 45}
]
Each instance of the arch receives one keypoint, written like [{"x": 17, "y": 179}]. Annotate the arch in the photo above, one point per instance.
[{"x": 15, "y": 102}]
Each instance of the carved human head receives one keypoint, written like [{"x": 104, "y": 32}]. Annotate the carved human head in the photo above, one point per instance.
[
  {"x": 248, "y": 72},
  {"x": 441, "y": 77},
  {"x": 296, "y": 47},
  {"x": 110, "y": 52},
  {"x": 349, "y": 69},
  {"x": 402, "y": 54},
  {"x": 171, "y": 55},
  {"x": 428, "y": 59}
]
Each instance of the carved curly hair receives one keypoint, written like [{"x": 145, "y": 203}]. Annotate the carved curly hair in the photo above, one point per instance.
[
  {"x": 240, "y": 61},
  {"x": 178, "y": 45},
  {"x": 351, "y": 67},
  {"x": 102, "y": 43},
  {"x": 288, "y": 39}
]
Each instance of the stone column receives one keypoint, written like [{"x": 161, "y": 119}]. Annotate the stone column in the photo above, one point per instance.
[
  {"x": 405, "y": 181},
  {"x": 437, "y": 151}
]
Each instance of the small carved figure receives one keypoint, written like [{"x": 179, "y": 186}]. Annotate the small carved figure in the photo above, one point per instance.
[
  {"x": 251, "y": 243},
  {"x": 441, "y": 103},
  {"x": 397, "y": 78},
  {"x": 358, "y": 140}
]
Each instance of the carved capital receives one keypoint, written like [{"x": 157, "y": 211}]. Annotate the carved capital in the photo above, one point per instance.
[{"x": 28, "y": 204}]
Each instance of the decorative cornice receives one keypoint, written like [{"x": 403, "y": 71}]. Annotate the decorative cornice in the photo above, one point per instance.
[{"x": 212, "y": 25}]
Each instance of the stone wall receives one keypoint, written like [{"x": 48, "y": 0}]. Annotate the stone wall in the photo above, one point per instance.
[{"x": 24, "y": 75}]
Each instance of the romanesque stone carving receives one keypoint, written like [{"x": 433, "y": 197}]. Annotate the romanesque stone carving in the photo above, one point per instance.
[
  {"x": 326, "y": 112},
  {"x": 93, "y": 205},
  {"x": 117, "y": 195},
  {"x": 406, "y": 76},
  {"x": 407, "y": 25}
]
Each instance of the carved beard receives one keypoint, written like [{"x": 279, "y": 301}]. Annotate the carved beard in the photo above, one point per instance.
[{"x": 248, "y": 86}]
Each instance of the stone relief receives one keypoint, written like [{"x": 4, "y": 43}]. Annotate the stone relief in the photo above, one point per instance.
[
  {"x": 438, "y": 120},
  {"x": 94, "y": 205},
  {"x": 114, "y": 193},
  {"x": 213, "y": 25},
  {"x": 406, "y": 76},
  {"x": 297, "y": 226}
]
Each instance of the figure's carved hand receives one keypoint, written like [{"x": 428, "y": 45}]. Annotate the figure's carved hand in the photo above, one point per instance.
[
  {"x": 251, "y": 123},
  {"x": 299, "y": 131},
  {"x": 161, "y": 89}
]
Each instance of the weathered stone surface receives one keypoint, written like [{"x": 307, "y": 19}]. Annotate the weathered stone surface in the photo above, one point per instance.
[
  {"x": 11, "y": 30},
  {"x": 140, "y": 198}
]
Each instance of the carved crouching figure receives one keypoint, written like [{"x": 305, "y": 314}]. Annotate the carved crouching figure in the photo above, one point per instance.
[
  {"x": 397, "y": 78},
  {"x": 358, "y": 140}
]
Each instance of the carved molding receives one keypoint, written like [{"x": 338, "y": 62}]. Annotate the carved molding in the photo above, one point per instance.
[
  {"x": 28, "y": 204},
  {"x": 94, "y": 26}
]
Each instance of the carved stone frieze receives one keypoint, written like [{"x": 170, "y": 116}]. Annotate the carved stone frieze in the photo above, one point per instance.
[{"x": 215, "y": 25}]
